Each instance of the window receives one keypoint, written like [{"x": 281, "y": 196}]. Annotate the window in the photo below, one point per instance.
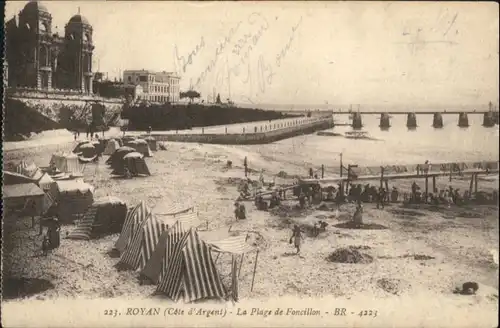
[
  {"x": 143, "y": 78},
  {"x": 129, "y": 79}
]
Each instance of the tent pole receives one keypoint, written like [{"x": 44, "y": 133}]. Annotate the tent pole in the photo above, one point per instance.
[
  {"x": 241, "y": 264},
  {"x": 254, "y": 269}
]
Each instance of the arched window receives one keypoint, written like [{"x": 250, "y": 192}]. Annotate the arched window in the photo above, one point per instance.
[{"x": 43, "y": 27}]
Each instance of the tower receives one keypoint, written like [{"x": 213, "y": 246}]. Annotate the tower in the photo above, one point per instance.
[
  {"x": 79, "y": 48},
  {"x": 35, "y": 26}
]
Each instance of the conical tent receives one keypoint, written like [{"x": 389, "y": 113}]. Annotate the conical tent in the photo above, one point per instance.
[
  {"x": 176, "y": 224},
  {"x": 106, "y": 216},
  {"x": 143, "y": 244},
  {"x": 135, "y": 217},
  {"x": 156, "y": 266},
  {"x": 191, "y": 271}
]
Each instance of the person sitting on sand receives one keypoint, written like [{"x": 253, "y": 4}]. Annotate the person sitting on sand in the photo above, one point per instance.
[
  {"x": 242, "y": 211},
  {"x": 296, "y": 237}
]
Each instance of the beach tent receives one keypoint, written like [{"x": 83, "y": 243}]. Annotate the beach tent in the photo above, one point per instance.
[
  {"x": 31, "y": 170},
  {"x": 126, "y": 140},
  {"x": 190, "y": 272},
  {"x": 12, "y": 178},
  {"x": 105, "y": 216},
  {"x": 237, "y": 247},
  {"x": 111, "y": 147},
  {"x": 73, "y": 198},
  {"x": 141, "y": 146},
  {"x": 118, "y": 155},
  {"x": 134, "y": 162},
  {"x": 88, "y": 153},
  {"x": 47, "y": 184},
  {"x": 177, "y": 225},
  {"x": 20, "y": 196},
  {"x": 143, "y": 243},
  {"x": 151, "y": 143},
  {"x": 78, "y": 148},
  {"x": 66, "y": 163},
  {"x": 135, "y": 216}
]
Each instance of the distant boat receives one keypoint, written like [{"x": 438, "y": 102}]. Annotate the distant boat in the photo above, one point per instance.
[{"x": 357, "y": 135}]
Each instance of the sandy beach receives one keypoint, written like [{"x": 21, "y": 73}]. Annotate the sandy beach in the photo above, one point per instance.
[{"x": 416, "y": 251}]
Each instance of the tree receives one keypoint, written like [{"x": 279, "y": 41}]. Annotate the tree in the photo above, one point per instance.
[
  {"x": 218, "y": 101},
  {"x": 191, "y": 94}
]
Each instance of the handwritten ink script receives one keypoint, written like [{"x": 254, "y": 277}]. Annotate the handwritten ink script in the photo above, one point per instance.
[
  {"x": 219, "y": 50},
  {"x": 184, "y": 61},
  {"x": 223, "y": 312},
  {"x": 265, "y": 72},
  {"x": 441, "y": 32}
]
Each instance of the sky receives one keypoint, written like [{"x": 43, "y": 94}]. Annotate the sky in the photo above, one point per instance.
[{"x": 296, "y": 52}]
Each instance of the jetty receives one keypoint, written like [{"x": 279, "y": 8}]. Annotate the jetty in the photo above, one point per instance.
[
  {"x": 260, "y": 132},
  {"x": 388, "y": 173}
]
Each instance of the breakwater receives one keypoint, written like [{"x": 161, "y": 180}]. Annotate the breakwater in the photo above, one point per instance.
[{"x": 249, "y": 133}]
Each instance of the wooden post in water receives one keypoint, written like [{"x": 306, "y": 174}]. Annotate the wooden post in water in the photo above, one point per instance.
[
  {"x": 475, "y": 184},
  {"x": 381, "y": 176},
  {"x": 433, "y": 183},
  {"x": 322, "y": 171}
]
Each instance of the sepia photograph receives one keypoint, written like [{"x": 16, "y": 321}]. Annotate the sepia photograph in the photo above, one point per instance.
[{"x": 250, "y": 164}]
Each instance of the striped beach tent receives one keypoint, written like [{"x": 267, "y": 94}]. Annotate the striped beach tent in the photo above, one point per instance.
[
  {"x": 106, "y": 216},
  {"x": 155, "y": 268},
  {"x": 237, "y": 247},
  {"x": 143, "y": 244},
  {"x": 191, "y": 273},
  {"x": 135, "y": 217}
]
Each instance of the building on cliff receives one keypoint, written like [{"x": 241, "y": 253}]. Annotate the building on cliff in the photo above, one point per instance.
[
  {"x": 42, "y": 60},
  {"x": 156, "y": 87}
]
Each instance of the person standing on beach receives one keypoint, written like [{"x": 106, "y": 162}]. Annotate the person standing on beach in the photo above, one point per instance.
[
  {"x": 296, "y": 237},
  {"x": 381, "y": 198},
  {"x": 245, "y": 164}
]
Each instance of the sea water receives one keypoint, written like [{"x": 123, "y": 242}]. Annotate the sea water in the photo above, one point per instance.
[{"x": 398, "y": 145}]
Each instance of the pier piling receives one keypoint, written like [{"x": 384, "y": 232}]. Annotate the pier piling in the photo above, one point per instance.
[
  {"x": 488, "y": 120},
  {"x": 437, "y": 121},
  {"x": 411, "y": 121},
  {"x": 463, "y": 120},
  {"x": 357, "y": 122},
  {"x": 385, "y": 121}
]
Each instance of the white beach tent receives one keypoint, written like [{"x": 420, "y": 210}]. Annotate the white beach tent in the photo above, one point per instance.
[{"x": 66, "y": 163}]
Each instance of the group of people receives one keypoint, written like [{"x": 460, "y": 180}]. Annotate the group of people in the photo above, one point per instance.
[{"x": 447, "y": 196}]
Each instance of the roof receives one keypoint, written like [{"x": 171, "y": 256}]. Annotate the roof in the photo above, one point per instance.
[
  {"x": 233, "y": 245},
  {"x": 22, "y": 190},
  {"x": 35, "y": 6},
  {"x": 73, "y": 186},
  {"x": 133, "y": 154},
  {"x": 12, "y": 178},
  {"x": 79, "y": 19},
  {"x": 109, "y": 200}
]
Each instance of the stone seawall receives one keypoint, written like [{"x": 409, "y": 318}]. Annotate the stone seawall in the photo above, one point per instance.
[{"x": 262, "y": 134}]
